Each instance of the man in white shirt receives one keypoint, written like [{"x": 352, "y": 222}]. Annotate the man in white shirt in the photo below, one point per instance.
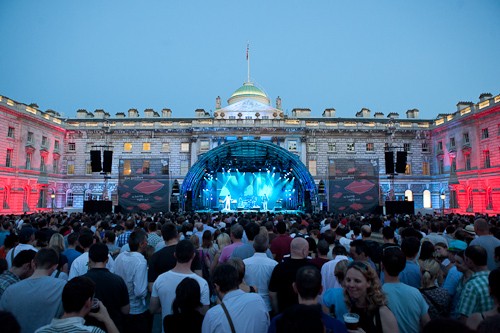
[
  {"x": 245, "y": 311},
  {"x": 163, "y": 291},
  {"x": 328, "y": 278},
  {"x": 133, "y": 269},
  {"x": 259, "y": 268},
  {"x": 26, "y": 241},
  {"x": 80, "y": 265}
]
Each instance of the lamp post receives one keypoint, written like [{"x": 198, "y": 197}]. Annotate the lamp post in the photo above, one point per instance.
[
  {"x": 442, "y": 196},
  {"x": 52, "y": 197}
]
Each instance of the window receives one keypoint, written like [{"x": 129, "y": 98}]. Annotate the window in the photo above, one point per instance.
[
  {"x": 487, "y": 163},
  {"x": 440, "y": 166},
  {"x": 312, "y": 147},
  {"x": 165, "y": 147},
  {"x": 30, "y": 137},
  {"x": 467, "y": 162},
  {"x": 406, "y": 147},
  {"x": 45, "y": 141},
  {"x": 88, "y": 168},
  {"x": 232, "y": 117},
  {"x": 42, "y": 164},
  {"x": 408, "y": 195},
  {"x": 292, "y": 145},
  {"x": 8, "y": 158},
  {"x": 127, "y": 147},
  {"x": 185, "y": 147},
  {"x": 452, "y": 142},
  {"x": 427, "y": 199},
  {"x": 69, "y": 199},
  {"x": 484, "y": 133},
  {"x": 453, "y": 199},
  {"x": 146, "y": 146},
  {"x": 453, "y": 165},
  {"x": 332, "y": 147},
  {"x": 55, "y": 165},
  {"x": 71, "y": 168},
  {"x": 204, "y": 145},
  {"x": 466, "y": 138},
  {"x": 425, "y": 169},
  {"x": 425, "y": 147},
  {"x": 29, "y": 158},
  {"x": 370, "y": 146},
  {"x": 127, "y": 170},
  {"x": 72, "y": 146},
  {"x": 350, "y": 147},
  {"x": 10, "y": 132},
  {"x": 56, "y": 145},
  {"x": 440, "y": 146},
  {"x": 312, "y": 167},
  {"x": 184, "y": 167},
  {"x": 408, "y": 169},
  {"x": 145, "y": 167}
]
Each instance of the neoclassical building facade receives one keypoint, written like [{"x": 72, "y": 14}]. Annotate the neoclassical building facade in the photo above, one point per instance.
[{"x": 452, "y": 161}]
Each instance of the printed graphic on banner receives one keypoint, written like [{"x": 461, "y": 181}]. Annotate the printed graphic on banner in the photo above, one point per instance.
[{"x": 353, "y": 185}]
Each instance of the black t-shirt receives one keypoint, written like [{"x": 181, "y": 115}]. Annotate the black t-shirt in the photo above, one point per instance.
[
  {"x": 183, "y": 322},
  {"x": 282, "y": 278},
  {"x": 164, "y": 260},
  {"x": 112, "y": 291}
]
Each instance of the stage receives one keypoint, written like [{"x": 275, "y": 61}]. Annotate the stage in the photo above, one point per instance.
[{"x": 236, "y": 211}]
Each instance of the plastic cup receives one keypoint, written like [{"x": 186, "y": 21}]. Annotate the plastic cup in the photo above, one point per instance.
[{"x": 351, "y": 321}]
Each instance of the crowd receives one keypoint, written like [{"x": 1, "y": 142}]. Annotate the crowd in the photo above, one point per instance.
[{"x": 249, "y": 272}]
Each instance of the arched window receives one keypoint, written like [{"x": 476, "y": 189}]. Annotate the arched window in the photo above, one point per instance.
[
  {"x": 6, "y": 197},
  {"x": 489, "y": 199},
  {"x": 69, "y": 198},
  {"x": 427, "y": 199},
  {"x": 470, "y": 201},
  {"x": 408, "y": 195},
  {"x": 88, "y": 195}
]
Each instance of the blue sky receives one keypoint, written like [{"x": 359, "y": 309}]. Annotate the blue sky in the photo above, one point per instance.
[{"x": 388, "y": 56}]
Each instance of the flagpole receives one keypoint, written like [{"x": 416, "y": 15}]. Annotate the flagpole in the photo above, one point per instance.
[{"x": 248, "y": 61}]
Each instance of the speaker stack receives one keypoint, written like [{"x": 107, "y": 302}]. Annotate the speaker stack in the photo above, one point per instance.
[
  {"x": 95, "y": 161},
  {"x": 401, "y": 162}
]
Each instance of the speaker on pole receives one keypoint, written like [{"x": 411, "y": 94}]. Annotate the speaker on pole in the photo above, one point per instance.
[
  {"x": 389, "y": 162},
  {"x": 108, "y": 161},
  {"x": 95, "y": 160},
  {"x": 188, "y": 206},
  {"x": 401, "y": 162}
]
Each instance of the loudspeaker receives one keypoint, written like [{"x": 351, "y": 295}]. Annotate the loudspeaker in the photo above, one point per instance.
[
  {"x": 189, "y": 201},
  {"x": 307, "y": 202},
  {"x": 108, "y": 161},
  {"x": 401, "y": 162},
  {"x": 389, "y": 162},
  {"x": 95, "y": 160}
]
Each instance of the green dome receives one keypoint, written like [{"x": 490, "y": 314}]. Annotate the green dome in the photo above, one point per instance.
[{"x": 248, "y": 90}]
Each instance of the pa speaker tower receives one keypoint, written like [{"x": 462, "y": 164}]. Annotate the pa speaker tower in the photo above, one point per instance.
[
  {"x": 401, "y": 162},
  {"x": 108, "y": 161},
  {"x": 389, "y": 162},
  {"x": 95, "y": 160}
]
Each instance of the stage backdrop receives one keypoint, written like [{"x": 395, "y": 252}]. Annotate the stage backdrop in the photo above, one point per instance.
[
  {"x": 353, "y": 185},
  {"x": 143, "y": 185}
]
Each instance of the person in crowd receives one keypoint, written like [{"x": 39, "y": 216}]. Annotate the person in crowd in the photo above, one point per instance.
[
  {"x": 434, "y": 236},
  {"x": 427, "y": 251},
  {"x": 490, "y": 324},
  {"x": 26, "y": 242},
  {"x": 359, "y": 251},
  {"x": 475, "y": 319},
  {"x": 164, "y": 259},
  {"x": 308, "y": 287},
  {"x": 110, "y": 288},
  {"x": 333, "y": 299},
  {"x": 153, "y": 237},
  {"x": 22, "y": 268},
  {"x": 209, "y": 249},
  {"x": 57, "y": 243},
  {"x": 322, "y": 254},
  {"x": 222, "y": 241},
  {"x": 77, "y": 302},
  {"x": 186, "y": 316},
  {"x": 475, "y": 296},
  {"x": 238, "y": 311},
  {"x": 454, "y": 275},
  {"x": 486, "y": 240},
  {"x": 110, "y": 241},
  {"x": 247, "y": 250},
  {"x": 411, "y": 273},
  {"x": 71, "y": 253},
  {"x": 388, "y": 237},
  {"x": 280, "y": 246},
  {"x": 36, "y": 300},
  {"x": 132, "y": 267},
  {"x": 80, "y": 265},
  {"x": 280, "y": 286},
  {"x": 406, "y": 302},
  {"x": 123, "y": 238},
  {"x": 364, "y": 297},
  {"x": 162, "y": 296},
  {"x": 10, "y": 242},
  {"x": 259, "y": 268},
  {"x": 329, "y": 280},
  {"x": 436, "y": 297},
  {"x": 236, "y": 241},
  {"x": 440, "y": 325},
  {"x": 240, "y": 267}
]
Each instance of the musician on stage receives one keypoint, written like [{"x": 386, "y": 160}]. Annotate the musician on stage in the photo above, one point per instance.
[
  {"x": 264, "y": 202},
  {"x": 227, "y": 202}
]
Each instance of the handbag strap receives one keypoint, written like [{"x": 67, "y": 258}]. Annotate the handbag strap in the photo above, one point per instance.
[{"x": 228, "y": 317}]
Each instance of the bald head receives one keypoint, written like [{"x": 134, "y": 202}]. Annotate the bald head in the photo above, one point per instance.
[
  {"x": 366, "y": 231},
  {"x": 481, "y": 227},
  {"x": 299, "y": 248}
]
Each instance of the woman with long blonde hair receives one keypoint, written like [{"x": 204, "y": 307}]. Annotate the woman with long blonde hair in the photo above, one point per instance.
[
  {"x": 436, "y": 297},
  {"x": 364, "y": 296},
  {"x": 222, "y": 240},
  {"x": 56, "y": 242}
]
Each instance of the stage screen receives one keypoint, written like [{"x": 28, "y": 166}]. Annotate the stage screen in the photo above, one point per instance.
[
  {"x": 143, "y": 185},
  {"x": 353, "y": 185},
  {"x": 234, "y": 190}
]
